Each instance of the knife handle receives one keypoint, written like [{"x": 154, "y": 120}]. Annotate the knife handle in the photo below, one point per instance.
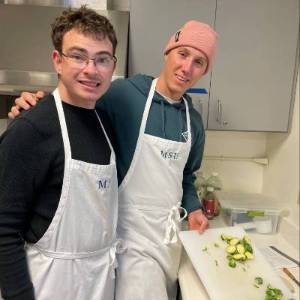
[{"x": 289, "y": 274}]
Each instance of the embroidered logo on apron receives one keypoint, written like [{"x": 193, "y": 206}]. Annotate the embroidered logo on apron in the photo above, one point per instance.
[
  {"x": 169, "y": 155},
  {"x": 103, "y": 184}
]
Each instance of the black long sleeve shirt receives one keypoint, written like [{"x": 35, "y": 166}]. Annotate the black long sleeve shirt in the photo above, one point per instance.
[{"x": 31, "y": 176}]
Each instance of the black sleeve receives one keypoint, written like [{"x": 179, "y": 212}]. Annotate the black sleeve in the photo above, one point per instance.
[{"x": 20, "y": 161}]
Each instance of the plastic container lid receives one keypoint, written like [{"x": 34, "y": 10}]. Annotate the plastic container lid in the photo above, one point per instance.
[{"x": 249, "y": 201}]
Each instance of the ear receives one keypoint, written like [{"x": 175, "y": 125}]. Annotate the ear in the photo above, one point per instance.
[{"x": 56, "y": 58}]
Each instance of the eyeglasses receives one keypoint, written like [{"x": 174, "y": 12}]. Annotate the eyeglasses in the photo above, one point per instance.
[{"x": 102, "y": 61}]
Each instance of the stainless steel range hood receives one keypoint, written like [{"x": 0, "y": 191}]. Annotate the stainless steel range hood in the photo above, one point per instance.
[{"x": 25, "y": 51}]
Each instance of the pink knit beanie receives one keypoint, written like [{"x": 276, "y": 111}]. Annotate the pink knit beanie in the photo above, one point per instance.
[{"x": 197, "y": 35}]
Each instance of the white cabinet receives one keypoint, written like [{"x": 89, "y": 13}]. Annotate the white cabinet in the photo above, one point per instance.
[
  {"x": 251, "y": 86},
  {"x": 253, "y": 76}
]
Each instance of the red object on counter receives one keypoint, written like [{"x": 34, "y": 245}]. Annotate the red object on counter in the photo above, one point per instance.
[{"x": 209, "y": 208}]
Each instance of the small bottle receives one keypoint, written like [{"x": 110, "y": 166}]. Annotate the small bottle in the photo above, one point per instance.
[
  {"x": 209, "y": 202},
  {"x": 214, "y": 181}
]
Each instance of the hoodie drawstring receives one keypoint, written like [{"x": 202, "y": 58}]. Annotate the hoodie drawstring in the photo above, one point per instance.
[
  {"x": 180, "y": 121},
  {"x": 162, "y": 109},
  {"x": 180, "y": 125}
]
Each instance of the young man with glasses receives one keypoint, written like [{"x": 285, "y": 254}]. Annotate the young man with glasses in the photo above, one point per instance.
[
  {"x": 159, "y": 145},
  {"x": 58, "y": 179}
]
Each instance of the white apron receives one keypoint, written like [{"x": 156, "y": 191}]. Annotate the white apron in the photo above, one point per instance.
[
  {"x": 149, "y": 216},
  {"x": 76, "y": 257}
]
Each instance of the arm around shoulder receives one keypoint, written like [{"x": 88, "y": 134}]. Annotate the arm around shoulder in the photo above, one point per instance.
[{"x": 17, "y": 165}]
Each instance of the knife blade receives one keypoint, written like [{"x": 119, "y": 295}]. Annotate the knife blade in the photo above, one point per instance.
[{"x": 285, "y": 255}]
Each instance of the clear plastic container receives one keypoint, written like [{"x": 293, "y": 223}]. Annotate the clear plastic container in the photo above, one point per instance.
[{"x": 253, "y": 212}]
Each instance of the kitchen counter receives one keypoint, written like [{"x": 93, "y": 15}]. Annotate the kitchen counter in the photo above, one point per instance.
[{"x": 191, "y": 286}]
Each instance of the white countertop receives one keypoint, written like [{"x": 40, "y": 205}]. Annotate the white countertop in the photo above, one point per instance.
[{"x": 191, "y": 286}]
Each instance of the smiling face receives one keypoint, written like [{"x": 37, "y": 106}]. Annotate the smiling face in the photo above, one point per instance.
[
  {"x": 184, "y": 66},
  {"x": 82, "y": 86}
]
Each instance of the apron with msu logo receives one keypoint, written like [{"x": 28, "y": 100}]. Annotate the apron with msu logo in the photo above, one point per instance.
[
  {"x": 76, "y": 257},
  {"x": 149, "y": 216}
]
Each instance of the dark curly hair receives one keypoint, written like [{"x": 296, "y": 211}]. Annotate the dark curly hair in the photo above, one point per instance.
[{"x": 86, "y": 21}]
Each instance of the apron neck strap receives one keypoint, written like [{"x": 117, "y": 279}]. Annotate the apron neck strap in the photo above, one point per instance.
[
  {"x": 112, "y": 157},
  {"x": 63, "y": 125},
  {"x": 147, "y": 106}
]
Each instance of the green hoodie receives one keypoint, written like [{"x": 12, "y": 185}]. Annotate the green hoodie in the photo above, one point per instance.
[{"x": 124, "y": 104}]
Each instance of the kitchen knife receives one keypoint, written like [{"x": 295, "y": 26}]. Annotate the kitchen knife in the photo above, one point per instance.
[
  {"x": 288, "y": 273},
  {"x": 286, "y": 256}
]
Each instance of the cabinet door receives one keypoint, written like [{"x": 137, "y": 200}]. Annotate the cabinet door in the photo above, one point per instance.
[
  {"x": 253, "y": 78},
  {"x": 151, "y": 25}
]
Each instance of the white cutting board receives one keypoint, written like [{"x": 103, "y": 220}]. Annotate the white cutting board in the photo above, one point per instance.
[{"x": 221, "y": 281}]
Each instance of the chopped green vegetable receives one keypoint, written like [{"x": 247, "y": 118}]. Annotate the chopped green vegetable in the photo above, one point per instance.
[
  {"x": 258, "y": 280},
  {"x": 239, "y": 256},
  {"x": 205, "y": 249},
  {"x": 225, "y": 237},
  {"x": 232, "y": 263},
  {"x": 216, "y": 262},
  {"x": 231, "y": 249},
  {"x": 248, "y": 248},
  {"x": 273, "y": 293},
  {"x": 246, "y": 239},
  {"x": 249, "y": 255},
  {"x": 216, "y": 245},
  {"x": 233, "y": 241},
  {"x": 238, "y": 249}
]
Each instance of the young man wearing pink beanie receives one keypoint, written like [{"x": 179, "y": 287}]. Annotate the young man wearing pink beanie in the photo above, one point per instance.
[{"x": 159, "y": 145}]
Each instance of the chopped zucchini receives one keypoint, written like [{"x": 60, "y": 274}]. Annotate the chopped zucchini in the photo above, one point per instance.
[
  {"x": 231, "y": 249},
  {"x": 225, "y": 237},
  {"x": 246, "y": 239},
  {"x": 248, "y": 248},
  {"x": 233, "y": 241},
  {"x": 239, "y": 256},
  {"x": 273, "y": 293},
  {"x": 232, "y": 263},
  {"x": 258, "y": 280},
  {"x": 249, "y": 255},
  {"x": 240, "y": 249}
]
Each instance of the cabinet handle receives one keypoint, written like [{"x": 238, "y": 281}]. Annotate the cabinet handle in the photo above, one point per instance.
[{"x": 219, "y": 115}]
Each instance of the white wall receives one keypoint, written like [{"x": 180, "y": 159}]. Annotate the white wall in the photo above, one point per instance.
[
  {"x": 281, "y": 177},
  {"x": 241, "y": 175}
]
